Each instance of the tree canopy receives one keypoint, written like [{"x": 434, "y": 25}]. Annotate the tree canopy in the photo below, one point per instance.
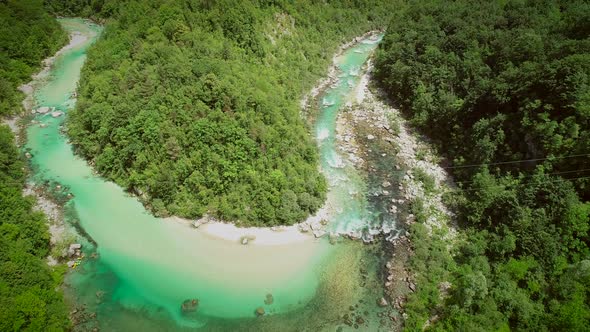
[
  {"x": 502, "y": 88},
  {"x": 195, "y": 105},
  {"x": 28, "y": 297},
  {"x": 28, "y": 34}
]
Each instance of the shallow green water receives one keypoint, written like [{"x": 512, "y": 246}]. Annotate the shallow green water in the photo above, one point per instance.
[
  {"x": 147, "y": 266},
  {"x": 347, "y": 186}
]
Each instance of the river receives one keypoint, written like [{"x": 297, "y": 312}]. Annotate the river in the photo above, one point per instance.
[{"x": 139, "y": 269}]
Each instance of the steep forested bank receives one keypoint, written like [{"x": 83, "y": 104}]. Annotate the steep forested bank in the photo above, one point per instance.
[
  {"x": 28, "y": 34},
  {"x": 28, "y": 299},
  {"x": 503, "y": 89},
  {"x": 194, "y": 105}
]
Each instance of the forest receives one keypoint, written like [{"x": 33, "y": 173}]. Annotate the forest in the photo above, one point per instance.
[
  {"x": 28, "y": 34},
  {"x": 28, "y": 299},
  {"x": 195, "y": 105},
  {"x": 502, "y": 88}
]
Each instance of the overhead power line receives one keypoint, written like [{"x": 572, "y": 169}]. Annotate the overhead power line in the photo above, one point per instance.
[
  {"x": 528, "y": 176},
  {"x": 517, "y": 161},
  {"x": 523, "y": 184}
]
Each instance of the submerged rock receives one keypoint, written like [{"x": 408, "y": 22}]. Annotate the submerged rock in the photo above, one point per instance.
[
  {"x": 247, "y": 238},
  {"x": 333, "y": 238},
  {"x": 304, "y": 228},
  {"x": 189, "y": 305},
  {"x": 382, "y": 302},
  {"x": 260, "y": 311},
  {"x": 269, "y": 299},
  {"x": 57, "y": 114},
  {"x": 319, "y": 233},
  {"x": 199, "y": 223}
]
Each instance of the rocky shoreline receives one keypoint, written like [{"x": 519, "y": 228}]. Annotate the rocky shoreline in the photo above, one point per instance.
[
  {"x": 44, "y": 202},
  {"x": 310, "y": 98},
  {"x": 369, "y": 120}
]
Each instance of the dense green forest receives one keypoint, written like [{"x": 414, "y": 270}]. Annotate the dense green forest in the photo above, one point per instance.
[
  {"x": 28, "y": 299},
  {"x": 503, "y": 89},
  {"x": 28, "y": 34},
  {"x": 194, "y": 105}
]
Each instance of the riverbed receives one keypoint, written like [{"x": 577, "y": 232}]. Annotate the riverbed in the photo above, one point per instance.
[{"x": 139, "y": 269}]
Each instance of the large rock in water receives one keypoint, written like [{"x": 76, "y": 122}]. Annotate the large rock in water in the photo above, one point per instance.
[
  {"x": 189, "y": 305},
  {"x": 260, "y": 311},
  {"x": 42, "y": 110}
]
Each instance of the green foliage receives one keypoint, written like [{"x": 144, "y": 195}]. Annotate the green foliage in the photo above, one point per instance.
[
  {"x": 497, "y": 83},
  {"x": 195, "y": 105},
  {"x": 28, "y": 300},
  {"x": 84, "y": 8},
  {"x": 428, "y": 182},
  {"x": 27, "y": 36}
]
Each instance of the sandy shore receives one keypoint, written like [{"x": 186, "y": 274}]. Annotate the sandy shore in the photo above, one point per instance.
[
  {"x": 253, "y": 235},
  {"x": 312, "y": 228}
]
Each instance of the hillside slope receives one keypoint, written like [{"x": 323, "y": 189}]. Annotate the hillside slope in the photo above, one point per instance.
[
  {"x": 503, "y": 89},
  {"x": 194, "y": 106}
]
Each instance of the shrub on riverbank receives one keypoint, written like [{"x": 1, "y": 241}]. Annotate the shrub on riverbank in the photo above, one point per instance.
[
  {"x": 196, "y": 106},
  {"x": 502, "y": 88}
]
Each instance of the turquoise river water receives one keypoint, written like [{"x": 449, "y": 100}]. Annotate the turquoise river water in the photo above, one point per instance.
[{"x": 139, "y": 269}]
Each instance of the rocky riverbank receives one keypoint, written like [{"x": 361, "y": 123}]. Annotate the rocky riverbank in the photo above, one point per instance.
[
  {"x": 370, "y": 128},
  {"x": 60, "y": 235},
  {"x": 310, "y": 99}
]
